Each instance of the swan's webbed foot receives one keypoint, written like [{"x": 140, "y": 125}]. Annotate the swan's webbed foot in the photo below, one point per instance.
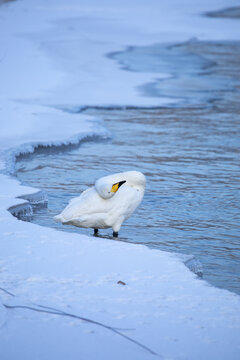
[
  {"x": 95, "y": 231},
  {"x": 115, "y": 234}
]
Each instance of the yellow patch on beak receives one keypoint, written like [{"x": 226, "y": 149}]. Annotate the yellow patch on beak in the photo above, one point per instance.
[{"x": 116, "y": 186}]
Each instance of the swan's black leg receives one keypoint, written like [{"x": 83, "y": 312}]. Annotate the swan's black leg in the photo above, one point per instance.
[
  {"x": 95, "y": 231},
  {"x": 115, "y": 234}
]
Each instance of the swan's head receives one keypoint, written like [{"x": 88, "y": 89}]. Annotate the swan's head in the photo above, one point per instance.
[{"x": 107, "y": 186}]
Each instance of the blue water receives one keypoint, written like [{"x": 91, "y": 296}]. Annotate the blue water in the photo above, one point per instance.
[{"x": 190, "y": 156}]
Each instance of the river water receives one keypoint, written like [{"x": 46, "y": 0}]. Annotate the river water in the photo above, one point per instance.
[{"x": 188, "y": 152}]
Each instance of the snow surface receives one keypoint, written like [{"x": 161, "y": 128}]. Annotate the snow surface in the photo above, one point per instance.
[{"x": 53, "y": 57}]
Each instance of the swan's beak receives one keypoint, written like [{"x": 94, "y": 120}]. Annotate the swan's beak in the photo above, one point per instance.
[{"x": 116, "y": 186}]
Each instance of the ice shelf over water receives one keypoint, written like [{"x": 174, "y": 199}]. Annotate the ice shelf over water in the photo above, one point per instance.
[{"x": 52, "y": 56}]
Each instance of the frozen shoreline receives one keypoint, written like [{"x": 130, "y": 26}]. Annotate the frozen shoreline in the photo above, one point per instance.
[{"x": 170, "y": 310}]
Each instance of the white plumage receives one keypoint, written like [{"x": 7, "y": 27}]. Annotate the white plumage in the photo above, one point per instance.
[{"x": 108, "y": 203}]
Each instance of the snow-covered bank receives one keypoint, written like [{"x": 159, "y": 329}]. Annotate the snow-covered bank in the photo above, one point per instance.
[
  {"x": 164, "y": 305},
  {"x": 53, "y": 54}
]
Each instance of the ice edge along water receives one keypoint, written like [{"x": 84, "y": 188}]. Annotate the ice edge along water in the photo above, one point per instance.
[{"x": 162, "y": 305}]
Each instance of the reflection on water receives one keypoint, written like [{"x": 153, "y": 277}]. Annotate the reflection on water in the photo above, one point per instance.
[{"x": 190, "y": 156}]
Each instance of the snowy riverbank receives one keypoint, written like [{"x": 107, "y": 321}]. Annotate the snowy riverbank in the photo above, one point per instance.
[{"x": 52, "y": 57}]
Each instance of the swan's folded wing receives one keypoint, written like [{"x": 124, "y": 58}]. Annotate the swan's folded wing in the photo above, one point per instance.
[
  {"x": 97, "y": 220},
  {"x": 83, "y": 194},
  {"x": 89, "y": 202}
]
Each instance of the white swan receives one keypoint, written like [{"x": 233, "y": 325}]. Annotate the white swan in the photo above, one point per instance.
[{"x": 107, "y": 204}]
